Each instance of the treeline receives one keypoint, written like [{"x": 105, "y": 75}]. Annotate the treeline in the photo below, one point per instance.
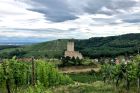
[
  {"x": 93, "y": 48},
  {"x": 68, "y": 61},
  {"x": 109, "y": 46},
  {"x": 7, "y": 46}
]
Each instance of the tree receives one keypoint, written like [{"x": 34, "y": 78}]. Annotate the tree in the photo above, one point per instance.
[
  {"x": 73, "y": 60},
  {"x": 78, "y": 61}
]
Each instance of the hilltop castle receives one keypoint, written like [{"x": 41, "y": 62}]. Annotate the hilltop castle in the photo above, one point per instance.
[{"x": 70, "y": 51}]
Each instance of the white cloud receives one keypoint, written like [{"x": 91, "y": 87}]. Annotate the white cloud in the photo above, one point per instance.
[{"x": 15, "y": 15}]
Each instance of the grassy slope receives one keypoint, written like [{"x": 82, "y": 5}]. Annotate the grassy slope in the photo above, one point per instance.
[{"x": 50, "y": 49}]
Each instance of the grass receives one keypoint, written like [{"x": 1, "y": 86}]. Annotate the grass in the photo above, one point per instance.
[
  {"x": 96, "y": 87},
  {"x": 85, "y": 77},
  {"x": 84, "y": 83}
]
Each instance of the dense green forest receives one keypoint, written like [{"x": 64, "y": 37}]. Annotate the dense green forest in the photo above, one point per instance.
[
  {"x": 109, "y": 46},
  {"x": 7, "y": 46},
  {"x": 94, "y": 47}
]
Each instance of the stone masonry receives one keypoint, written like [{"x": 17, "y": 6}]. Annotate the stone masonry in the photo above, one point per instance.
[{"x": 71, "y": 52}]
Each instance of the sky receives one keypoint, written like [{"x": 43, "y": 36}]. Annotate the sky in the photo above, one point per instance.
[{"x": 44, "y": 20}]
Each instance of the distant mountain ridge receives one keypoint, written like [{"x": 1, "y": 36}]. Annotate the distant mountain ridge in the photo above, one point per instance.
[
  {"x": 17, "y": 43},
  {"x": 94, "y": 47}
]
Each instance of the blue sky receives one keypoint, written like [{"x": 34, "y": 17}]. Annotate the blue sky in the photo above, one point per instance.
[{"x": 43, "y": 20}]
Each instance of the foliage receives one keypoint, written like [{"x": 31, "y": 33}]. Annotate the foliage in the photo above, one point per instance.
[
  {"x": 19, "y": 74},
  {"x": 48, "y": 75},
  {"x": 9, "y": 53},
  {"x": 67, "y": 61},
  {"x": 122, "y": 72},
  {"x": 7, "y": 46},
  {"x": 109, "y": 46},
  {"x": 94, "y": 47}
]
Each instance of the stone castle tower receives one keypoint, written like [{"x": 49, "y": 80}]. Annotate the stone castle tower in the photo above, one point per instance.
[
  {"x": 70, "y": 46},
  {"x": 70, "y": 51}
]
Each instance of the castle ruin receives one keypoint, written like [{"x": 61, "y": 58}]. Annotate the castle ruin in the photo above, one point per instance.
[{"x": 71, "y": 52}]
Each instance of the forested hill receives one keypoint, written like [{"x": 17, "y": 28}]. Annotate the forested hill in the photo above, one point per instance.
[
  {"x": 109, "y": 46},
  {"x": 93, "y": 47},
  {"x": 8, "y": 46}
]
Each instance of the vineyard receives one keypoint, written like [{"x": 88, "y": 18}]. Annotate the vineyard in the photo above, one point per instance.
[
  {"x": 15, "y": 75},
  {"x": 41, "y": 76},
  {"x": 125, "y": 75}
]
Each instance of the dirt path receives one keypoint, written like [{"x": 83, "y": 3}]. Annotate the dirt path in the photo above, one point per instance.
[{"x": 78, "y": 69}]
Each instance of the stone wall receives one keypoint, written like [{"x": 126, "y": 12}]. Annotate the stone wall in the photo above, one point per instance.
[
  {"x": 70, "y": 51},
  {"x": 74, "y": 54}
]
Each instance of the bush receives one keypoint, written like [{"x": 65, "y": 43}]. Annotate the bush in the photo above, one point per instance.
[{"x": 48, "y": 75}]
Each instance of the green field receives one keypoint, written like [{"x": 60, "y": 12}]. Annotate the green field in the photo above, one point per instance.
[{"x": 86, "y": 77}]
